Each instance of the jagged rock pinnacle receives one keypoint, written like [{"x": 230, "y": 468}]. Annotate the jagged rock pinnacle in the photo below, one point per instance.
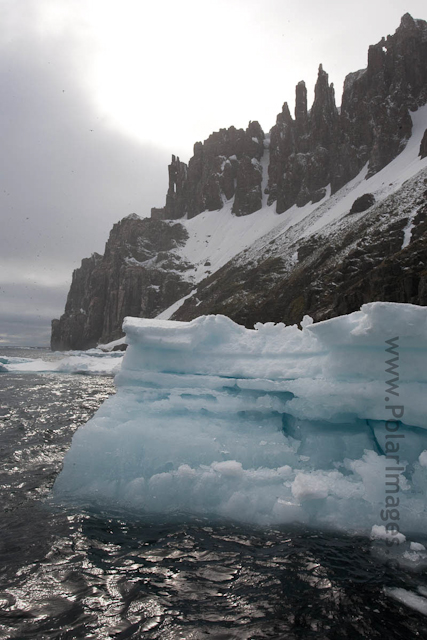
[
  {"x": 407, "y": 21},
  {"x": 301, "y": 102},
  {"x": 318, "y": 152}
]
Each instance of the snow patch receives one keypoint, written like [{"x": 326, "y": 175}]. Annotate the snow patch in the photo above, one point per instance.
[
  {"x": 168, "y": 313},
  {"x": 407, "y": 231},
  {"x": 109, "y": 346}
]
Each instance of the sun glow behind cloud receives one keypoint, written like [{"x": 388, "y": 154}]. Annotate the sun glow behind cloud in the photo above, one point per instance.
[
  {"x": 165, "y": 71},
  {"x": 169, "y": 73}
]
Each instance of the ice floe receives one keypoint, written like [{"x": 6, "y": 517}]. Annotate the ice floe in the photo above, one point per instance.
[{"x": 325, "y": 425}]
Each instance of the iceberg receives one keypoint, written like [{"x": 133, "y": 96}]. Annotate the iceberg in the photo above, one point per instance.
[
  {"x": 324, "y": 425},
  {"x": 91, "y": 362}
]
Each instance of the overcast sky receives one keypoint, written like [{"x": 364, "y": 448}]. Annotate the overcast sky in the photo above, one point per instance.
[{"x": 97, "y": 94}]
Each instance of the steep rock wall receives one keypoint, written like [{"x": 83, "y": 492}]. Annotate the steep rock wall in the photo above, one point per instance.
[
  {"x": 138, "y": 275},
  {"x": 322, "y": 147},
  {"x": 329, "y": 147},
  {"x": 226, "y": 165},
  {"x": 380, "y": 256}
]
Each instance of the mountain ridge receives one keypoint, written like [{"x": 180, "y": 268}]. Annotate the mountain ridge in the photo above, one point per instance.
[{"x": 241, "y": 185}]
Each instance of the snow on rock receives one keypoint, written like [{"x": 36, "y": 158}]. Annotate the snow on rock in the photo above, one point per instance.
[
  {"x": 407, "y": 231},
  {"x": 405, "y": 166},
  {"x": 110, "y": 346},
  {"x": 216, "y": 237},
  {"x": 271, "y": 425},
  {"x": 167, "y": 313}
]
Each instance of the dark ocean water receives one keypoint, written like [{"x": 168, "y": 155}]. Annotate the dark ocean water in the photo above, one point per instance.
[{"x": 82, "y": 574}]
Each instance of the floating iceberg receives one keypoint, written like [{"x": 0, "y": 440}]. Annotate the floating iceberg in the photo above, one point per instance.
[
  {"x": 325, "y": 426},
  {"x": 91, "y": 362}
]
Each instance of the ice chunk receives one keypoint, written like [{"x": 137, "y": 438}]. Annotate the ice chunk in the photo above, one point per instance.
[
  {"x": 379, "y": 532},
  {"x": 93, "y": 362},
  {"x": 315, "y": 485},
  {"x": 412, "y": 600},
  {"x": 324, "y": 425}
]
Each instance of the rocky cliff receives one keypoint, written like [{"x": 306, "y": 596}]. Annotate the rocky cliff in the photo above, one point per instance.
[
  {"x": 319, "y": 147},
  {"x": 379, "y": 254},
  {"x": 329, "y": 147},
  {"x": 138, "y": 275},
  {"x": 300, "y": 170},
  {"x": 225, "y": 166}
]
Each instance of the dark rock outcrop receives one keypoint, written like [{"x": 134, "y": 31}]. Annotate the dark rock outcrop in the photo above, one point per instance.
[
  {"x": 375, "y": 109},
  {"x": 423, "y": 146},
  {"x": 138, "y": 275},
  {"x": 224, "y": 166},
  {"x": 72, "y": 330},
  {"x": 363, "y": 203},
  {"x": 333, "y": 274},
  {"x": 323, "y": 147},
  {"x": 302, "y": 151}
]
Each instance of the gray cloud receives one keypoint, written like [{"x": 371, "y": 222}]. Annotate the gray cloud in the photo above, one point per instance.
[
  {"x": 65, "y": 178},
  {"x": 30, "y": 330},
  {"x": 26, "y": 310}
]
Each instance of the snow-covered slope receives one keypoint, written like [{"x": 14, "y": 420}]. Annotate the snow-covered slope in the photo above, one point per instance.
[
  {"x": 218, "y": 237},
  {"x": 215, "y": 237}
]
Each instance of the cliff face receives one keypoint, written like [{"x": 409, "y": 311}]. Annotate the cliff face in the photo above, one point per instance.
[
  {"x": 321, "y": 147},
  {"x": 326, "y": 147},
  {"x": 376, "y": 255},
  {"x": 306, "y": 160},
  {"x": 423, "y": 147},
  {"x": 225, "y": 166},
  {"x": 138, "y": 275}
]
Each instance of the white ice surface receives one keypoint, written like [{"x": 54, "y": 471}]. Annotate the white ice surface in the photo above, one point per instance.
[
  {"x": 379, "y": 532},
  {"x": 94, "y": 362},
  {"x": 271, "y": 425},
  {"x": 409, "y": 599}
]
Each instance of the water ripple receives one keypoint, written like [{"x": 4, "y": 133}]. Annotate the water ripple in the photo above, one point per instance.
[{"x": 82, "y": 575}]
